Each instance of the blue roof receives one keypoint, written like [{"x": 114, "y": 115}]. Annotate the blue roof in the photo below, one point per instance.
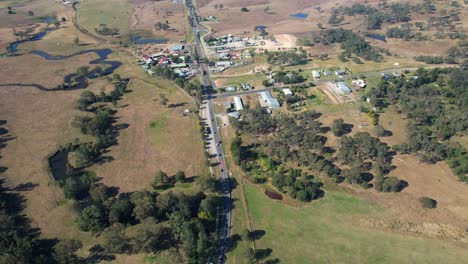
[
  {"x": 299, "y": 15},
  {"x": 344, "y": 87}
]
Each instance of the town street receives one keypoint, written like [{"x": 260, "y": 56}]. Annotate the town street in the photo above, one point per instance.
[{"x": 215, "y": 145}]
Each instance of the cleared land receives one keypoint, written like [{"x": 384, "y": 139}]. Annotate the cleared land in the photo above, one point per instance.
[
  {"x": 322, "y": 232},
  {"x": 157, "y": 137}
]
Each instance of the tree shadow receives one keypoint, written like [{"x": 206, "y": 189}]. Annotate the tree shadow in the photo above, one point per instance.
[
  {"x": 98, "y": 254},
  {"x": 257, "y": 234},
  {"x": 263, "y": 253},
  {"x": 233, "y": 241},
  {"x": 29, "y": 186}
]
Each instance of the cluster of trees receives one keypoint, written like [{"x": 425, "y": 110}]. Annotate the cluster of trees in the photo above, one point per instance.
[
  {"x": 434, "y": 100},
  {"x": 288, "y": 77},
  {"x": 162, "y": 26},
  {"x": 89, "y": 98},
  {"x": 363, "y": 152},
  {"x": 192, "y": 88},
  {"x": 404, "y": 33},
  {"x": 107, "y": 31},
  {"x": 280, "y": 139},
  {"x": 20, "y": 243},
  {"x": 160, "y": 221},
  {"x": 350, "y": 42},
  {"x": 436, "y": 59},
  {"x": 287, "y": 57},
  {"x": 297, "y": 184},
  {"x": 396, "y": 12}
]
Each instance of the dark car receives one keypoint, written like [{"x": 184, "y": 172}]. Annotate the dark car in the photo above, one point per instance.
[{"x": 204, "y": 72}]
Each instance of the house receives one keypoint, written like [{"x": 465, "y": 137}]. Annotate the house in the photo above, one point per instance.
[
  {"x": 287, "y": 91},
  {"x": 230, "y": 89},
  {"x": 340, "y": 72},
  {"x": 238, "y": 103},
  {"x": 178, "y": 48},
  {"x": 235, "y": 114},
  {"x": 271, "y": 102},
  {"x": 223, "y": 64},
  {"x": 359, "y": 83},
  {"x": 178, "y": 65},
  {"x": 147, "y": 59},
  {"x": 316, "y": 75},
  {"x": 344, "y": 87}
]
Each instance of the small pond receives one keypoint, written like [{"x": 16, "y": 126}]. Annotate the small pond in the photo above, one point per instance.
[
  {"x": 58, "y": 164},
  {"x": 299, "y": 15},
  {"x": 142, "y": 40},
  {"x": 377, "y": 37}
]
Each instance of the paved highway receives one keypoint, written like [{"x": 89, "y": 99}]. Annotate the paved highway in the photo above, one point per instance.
[{"x": 216, "y": 148}]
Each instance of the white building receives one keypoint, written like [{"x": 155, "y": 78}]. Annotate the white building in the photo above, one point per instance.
[
  {"x": 359, "y": 83},
  {"x": 287, "y": 91},
  {"x": 238, "y": 103},
  {"x": 223, "y": 64},
  {"x": 316, "y": 75},
  {"x": 267, "y": 98}
]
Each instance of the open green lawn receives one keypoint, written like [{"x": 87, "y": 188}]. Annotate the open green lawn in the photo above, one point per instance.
[
  {"x": 323, "y": 233},
  {"x": 96, "y": 13}
]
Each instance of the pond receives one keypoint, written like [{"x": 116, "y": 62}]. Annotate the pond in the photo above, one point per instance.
[
  {"x": 377, "y": 37},
  {"x": 141, "y": 40},
  {"x": 273, "y": 195},
  {"x": 58, "y": 164},
  {"x": 299, "y": 15}
]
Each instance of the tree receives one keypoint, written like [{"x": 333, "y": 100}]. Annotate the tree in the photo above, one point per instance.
[
  {"x": 267, "y": 9},
  {"x": 221, "y": 6},
  {"x": 379, "y": 131},
  {"x": 266, "y": 83},
  {"x": 30, "y": 13},
  {"x": 56, "y": 24},
  {"x": 427, "y": 202},
  {"x": 163, "y": 99},
  {"x": 160, "y": 179},
  {"x": 246, "y": 235},
  {"x": 100, "y": 193},
  {"x": 145, "y": 205},
  {"x": 64, "y": 251},
  {"x": 338, "y": 127},
  {"x": 115, "y": 240},
  {"x": 76, "y": 41},
  {"x": 92, "y": 218},
  {"x": 83, "y": 71},
  {"x": 121, "y": 211},
  {"x": 116, "y": 77},
  {"x": 216, "y": 6},
  {"x": 180, "y": 176},
  {"x": 151, "y": 236},
  {"x": 320, "y": 26},
  {"x": 391, "y": 184},
  {"x": 244, "y": 9}
]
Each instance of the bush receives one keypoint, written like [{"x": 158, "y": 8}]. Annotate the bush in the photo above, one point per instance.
[
  {"x": 427, "y": 202},
  {"x": 244, "y": 9}
]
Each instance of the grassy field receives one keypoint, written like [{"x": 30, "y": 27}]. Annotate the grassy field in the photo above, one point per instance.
[
  {"x": 323, "y": 233},
  {"x": 96, "y": 13}
]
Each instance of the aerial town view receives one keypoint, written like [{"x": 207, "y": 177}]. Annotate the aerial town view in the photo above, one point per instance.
[{"x": 233, "y": 131}]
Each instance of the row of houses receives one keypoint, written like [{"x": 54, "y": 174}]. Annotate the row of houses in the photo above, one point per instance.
[{"x": 176, "y": 59}]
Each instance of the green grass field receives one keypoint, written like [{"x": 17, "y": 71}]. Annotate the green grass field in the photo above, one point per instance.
[
  {"x": 323, "y": 233},
  {"x": 113, "y": 14}
]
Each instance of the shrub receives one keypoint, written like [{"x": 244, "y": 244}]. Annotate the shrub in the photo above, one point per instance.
[{"x": 427, "y": 202}]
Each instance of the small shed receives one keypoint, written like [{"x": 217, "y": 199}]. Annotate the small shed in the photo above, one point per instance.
[
  {"x": 287, "y": 91},
  {"x": 344, "y": 87}
]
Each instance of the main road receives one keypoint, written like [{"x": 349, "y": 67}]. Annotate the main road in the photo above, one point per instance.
[{"x": 215, "y": 145}]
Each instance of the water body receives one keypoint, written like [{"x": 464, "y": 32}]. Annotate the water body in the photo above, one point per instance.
[
  {"x": 58, "y": 164},
  {"x": 14, "y": 46},
  {"x": 141, "y": 40},
  {"x": 299, "y": 15},
  {"x": 377, "y": 37},
  {"x": 81, "y": 80},
  {"x": 108, "y": 67}
]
